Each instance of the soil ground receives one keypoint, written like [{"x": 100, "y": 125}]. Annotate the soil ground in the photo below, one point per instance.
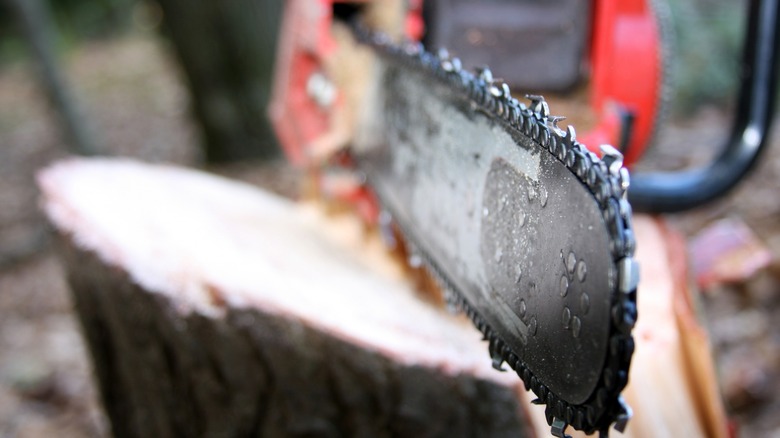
[{"x": 138, "y": 107}]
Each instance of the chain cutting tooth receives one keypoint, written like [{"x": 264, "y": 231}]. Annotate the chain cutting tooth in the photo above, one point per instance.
[
  {"x": 539, "y": 105},
  {"x": 626, "y": 212},
  {"x": 485, "y": 75},
  {"x": 457, "y": 65},
  {"x": 534, "y": 99},
  {"x": 413, "y": 48},
  {"x": 624, "y": 417},
  {"x": 553, "y": 123},
  {"x": 613, "y": 158},
  {"x": 445, "y": 60},
  {"x": 571, "y": 136},
  {"x": 558, "y": 428},
  {"x": 625, "y": 181},
  {"x": 544, "y": 110},
  {"x": 628, "y": 275},
  {"x": 566, "y": 143},
  {"x": 495, "y": 348}
]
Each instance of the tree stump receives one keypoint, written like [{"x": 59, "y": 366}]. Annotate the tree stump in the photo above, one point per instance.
[{"x": 214, "y": 309}]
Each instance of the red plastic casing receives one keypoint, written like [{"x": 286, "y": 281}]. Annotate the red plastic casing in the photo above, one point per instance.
[
  {"x": 625, "y": 62},
  {"x": 626, "y": 68}
]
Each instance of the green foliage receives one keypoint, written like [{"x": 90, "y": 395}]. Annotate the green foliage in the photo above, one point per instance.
[
  {"x": 81, "y": 19},
  {"x": 75, "y": 21},
  {"x": 11, "y": 45},
  {"x": 707, "y": 42}
]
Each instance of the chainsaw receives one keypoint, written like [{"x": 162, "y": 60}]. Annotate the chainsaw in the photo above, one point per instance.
[{"x": 526, "y": 226}]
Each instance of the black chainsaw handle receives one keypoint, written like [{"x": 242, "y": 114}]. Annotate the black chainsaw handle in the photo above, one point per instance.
[{"x": 667, "y": 192}]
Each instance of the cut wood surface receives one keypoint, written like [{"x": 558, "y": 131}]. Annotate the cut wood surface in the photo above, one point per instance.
[
  {"x": 673, "y": 386},
  {"x": 214, "y": 309}
]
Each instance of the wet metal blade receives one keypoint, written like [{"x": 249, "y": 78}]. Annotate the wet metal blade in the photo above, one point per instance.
[{"x": 529, "y": 231}]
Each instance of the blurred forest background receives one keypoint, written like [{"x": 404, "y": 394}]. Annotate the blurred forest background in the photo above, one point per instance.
[
  {"x": 188, "y": 82},
  {"x": 225, "y": 50}
]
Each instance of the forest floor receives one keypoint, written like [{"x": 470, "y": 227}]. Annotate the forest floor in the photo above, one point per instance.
[{"x": 138, "y": 107}]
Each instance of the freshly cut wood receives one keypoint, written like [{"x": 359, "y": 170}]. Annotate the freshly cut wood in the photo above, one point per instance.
[
  {"x": 673, "y": 385},
  {"x": 214, "y": 309}
]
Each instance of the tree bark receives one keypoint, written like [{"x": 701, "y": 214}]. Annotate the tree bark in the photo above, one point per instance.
[
  {"x": 226, "y": 50},
  {"x": 213, "y": 309}
]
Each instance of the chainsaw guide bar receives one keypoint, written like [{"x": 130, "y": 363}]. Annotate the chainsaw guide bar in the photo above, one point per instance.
[{"x": 527, "y": 231}]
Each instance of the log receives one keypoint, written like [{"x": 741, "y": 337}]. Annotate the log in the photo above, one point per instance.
[{"x": 214, "y": 309}]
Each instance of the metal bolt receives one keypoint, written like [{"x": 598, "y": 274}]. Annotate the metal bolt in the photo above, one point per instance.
[{"x": 321, "y": 90}]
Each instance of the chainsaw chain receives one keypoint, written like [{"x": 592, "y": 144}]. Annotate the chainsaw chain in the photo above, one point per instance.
[{"x": 606, "y": 179}]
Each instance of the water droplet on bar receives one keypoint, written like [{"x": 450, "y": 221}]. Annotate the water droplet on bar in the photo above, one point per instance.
[
  {"x": 584, "y": 303},
  {"x": 566, "y": 318},
  {"x": 582, "y": 270},
  {"x": 576, "y": 326},
  {"x": 571, "y": 262},
  {"x": 564, "y": 286}
]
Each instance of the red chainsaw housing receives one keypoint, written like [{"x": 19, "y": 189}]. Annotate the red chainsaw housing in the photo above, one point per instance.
[
  {"x": 305, "y": 47},
  {"x": 625, "y": 77}
]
